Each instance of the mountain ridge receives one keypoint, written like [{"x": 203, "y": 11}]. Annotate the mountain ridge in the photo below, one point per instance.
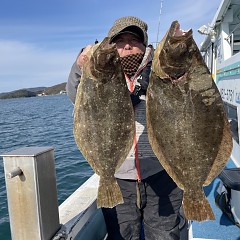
[{"x": 36, "y": 91}]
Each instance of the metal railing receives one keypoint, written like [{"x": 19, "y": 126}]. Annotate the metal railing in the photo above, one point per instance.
[{"x": 32, "y": 200}]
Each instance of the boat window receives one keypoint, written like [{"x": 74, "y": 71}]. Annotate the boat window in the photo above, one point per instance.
[
  {"x": 234, "y": 36},
  {"x": 236, "y": 46},
  {"x": 235, "y": 43},
  {"x": 233, "y": 120}
]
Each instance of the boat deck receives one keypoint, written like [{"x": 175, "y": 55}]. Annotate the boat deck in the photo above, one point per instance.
[{"x": 222, "y": 228}]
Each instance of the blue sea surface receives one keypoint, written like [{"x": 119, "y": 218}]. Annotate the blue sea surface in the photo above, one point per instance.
[{"x": 41, "y": 121}]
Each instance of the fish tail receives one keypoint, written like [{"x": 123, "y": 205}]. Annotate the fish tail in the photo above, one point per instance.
[
  {"x": 197, "y": 207},
  {"x": 109, "y": 194}
]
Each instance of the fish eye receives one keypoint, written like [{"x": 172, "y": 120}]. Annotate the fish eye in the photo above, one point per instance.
[
  {"x": 110, "y": 56},
  {"x": 116, "y": 61}
]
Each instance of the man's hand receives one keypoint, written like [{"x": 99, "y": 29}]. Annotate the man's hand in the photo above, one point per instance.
[{"x": 83, "y": 56}]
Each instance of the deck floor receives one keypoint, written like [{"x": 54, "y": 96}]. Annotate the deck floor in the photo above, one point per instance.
[{"x": 221, "y": 228}]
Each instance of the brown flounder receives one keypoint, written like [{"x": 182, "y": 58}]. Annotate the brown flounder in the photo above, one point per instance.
[
  {"x": 104, "y": 119},
  {"x": 187, "y": 125}
]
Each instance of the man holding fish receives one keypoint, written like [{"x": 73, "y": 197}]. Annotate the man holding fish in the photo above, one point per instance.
[{"x": 149, "y": 199}]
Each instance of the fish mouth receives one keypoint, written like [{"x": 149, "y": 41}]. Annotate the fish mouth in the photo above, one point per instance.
[
  {"x": 105, "y": 60},
  {"x": 176, "y": 54},
  {"x": 177, "y": 32},
  {"x": 105, "y": 52}
]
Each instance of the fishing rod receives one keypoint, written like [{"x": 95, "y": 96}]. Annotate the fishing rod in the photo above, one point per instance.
[{"x": 160, "y": 13}]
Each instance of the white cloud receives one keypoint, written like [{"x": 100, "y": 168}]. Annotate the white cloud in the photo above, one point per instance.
[
  {"x": 26, "y": 65},
  {"x": 190, "y": 14}
]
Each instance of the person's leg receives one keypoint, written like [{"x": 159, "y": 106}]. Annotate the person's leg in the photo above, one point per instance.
[
  {"x": 124, "y": 221},
  {"x": 161, "y": 214}
]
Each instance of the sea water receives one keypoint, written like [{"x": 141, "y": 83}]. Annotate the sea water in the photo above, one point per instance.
[{"x": 41, "y": 121}]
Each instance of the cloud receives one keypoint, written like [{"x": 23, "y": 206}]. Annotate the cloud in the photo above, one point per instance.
[
  {"x": 38, "y": 48},
  {"x": 190, "y": 14},
  {"x": 27, "y": 65}
]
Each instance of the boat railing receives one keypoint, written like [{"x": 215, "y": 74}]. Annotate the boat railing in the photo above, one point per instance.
[{"x": 32, "y": 200}]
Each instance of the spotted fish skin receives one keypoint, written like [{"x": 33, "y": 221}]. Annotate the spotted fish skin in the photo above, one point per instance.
[
  {"x": 104, "y": 119},
  {"x": 187, "y": 125}
]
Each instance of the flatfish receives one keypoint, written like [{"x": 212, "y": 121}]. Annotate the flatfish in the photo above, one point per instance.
[
  {"x": 104, "y": 119},
  {"x": 187, "y": 125}
]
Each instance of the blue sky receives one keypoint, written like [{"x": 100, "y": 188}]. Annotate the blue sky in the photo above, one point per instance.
[{"x": 40, "y": 39}]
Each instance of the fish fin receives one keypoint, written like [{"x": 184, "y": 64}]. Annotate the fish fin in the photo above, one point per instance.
[
  {"x": 224, "y": 154},
  {"x": 197, "y": 207},
  {"x": 109, "y": 194}
]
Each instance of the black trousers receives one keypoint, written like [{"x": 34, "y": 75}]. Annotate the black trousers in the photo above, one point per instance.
[{"x": 150, "y": 210}]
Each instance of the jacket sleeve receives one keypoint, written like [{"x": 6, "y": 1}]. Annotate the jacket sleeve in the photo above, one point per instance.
[{"x": 73, "y": 81}]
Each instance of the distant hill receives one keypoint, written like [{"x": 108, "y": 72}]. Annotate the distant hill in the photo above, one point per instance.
[
  {"x": 56, "y": 89},
  {"x": 33, "y": 92},
  {"x": 18, "y": 94},
  {"x": 36, "y": 89}
]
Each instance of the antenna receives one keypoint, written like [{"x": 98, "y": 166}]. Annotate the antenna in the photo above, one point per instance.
[{"x": 160, "y": 13}]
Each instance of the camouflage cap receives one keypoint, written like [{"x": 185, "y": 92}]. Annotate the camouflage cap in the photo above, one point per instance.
[{"x": 130, "y": 24}]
